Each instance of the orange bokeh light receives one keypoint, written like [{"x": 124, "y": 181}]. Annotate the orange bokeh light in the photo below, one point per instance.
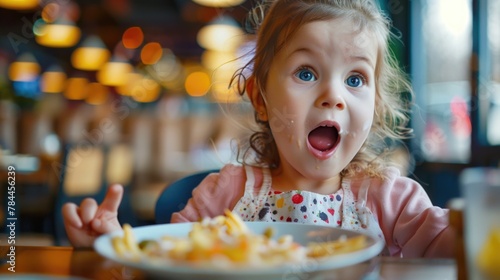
[
  {"x": 197, "y": 84},
  {"x": 96, "y": 94},
  {"x": 132, "y": 37},
  {"x": 76, "y": 88},
  {"x": 151, "y": 53}
]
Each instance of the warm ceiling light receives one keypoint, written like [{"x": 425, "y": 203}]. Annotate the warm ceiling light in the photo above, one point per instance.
[
  {"x": 223, "y": 65},
  {"x": 51, "y": 12},
  {"x": 114, "y": 73},
  {"x": 25, "y": 69},
  {"x": 97, "y": 94},
  {"x": 53, "y": 80},
  {"x": 219, "y": 89},
  {"x": 132, "y": 37},
  {"x": 60, "y": 34},
  {"x": 76, "y": 88},
  {"x": 55, "y": 10},
  {"x": 197, "y": 83},
  {"x": 151, "y": 53},
  {"x": 219, "y": 3},
  {"x": 214, "y": 59},
  {"x": 19, "y": 4},
  {"x": 131, "y": 80},
  {"x": 222, "y": 34},
  {"x": 221, "y": 78},
  {"x": 145, "y": 90},
  {"x": 91, "y": 55}
]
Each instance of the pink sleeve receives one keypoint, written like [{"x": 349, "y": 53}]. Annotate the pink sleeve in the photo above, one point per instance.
[
  {"x": 412, "y": 226},
  {"x": 217, "y": 192}
]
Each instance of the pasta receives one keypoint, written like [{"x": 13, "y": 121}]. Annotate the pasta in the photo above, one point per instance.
[{"x": 226, "y": 241}]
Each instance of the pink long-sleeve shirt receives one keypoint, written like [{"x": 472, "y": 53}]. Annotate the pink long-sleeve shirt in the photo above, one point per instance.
[{"x": 411, "y": 225}]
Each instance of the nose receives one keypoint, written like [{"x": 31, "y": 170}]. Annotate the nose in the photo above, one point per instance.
[{"x": 330, "y": 99}]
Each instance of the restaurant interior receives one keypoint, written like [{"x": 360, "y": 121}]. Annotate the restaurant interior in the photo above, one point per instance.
[{"x": 136, "y": 92}]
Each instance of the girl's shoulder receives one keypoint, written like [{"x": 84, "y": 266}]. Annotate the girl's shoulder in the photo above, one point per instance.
[
  {"x": 217, "y": 192},
  {"x": 394, "y": 179},
  {"x": 241, "y": 174},
  {"x": 229, "y": 174},
  {"x": 389, "y": 176},
  {"x": 232, "y": 172},
  {"x": 232, "y": 169},
  {"x": 390, "y": 184},
  {"x": 391, "y": 189}
]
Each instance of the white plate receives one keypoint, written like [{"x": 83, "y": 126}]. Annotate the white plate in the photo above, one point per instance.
[{"x": 302, "y": 233}]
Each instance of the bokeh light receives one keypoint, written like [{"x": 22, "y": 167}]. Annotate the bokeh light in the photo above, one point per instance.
[
  {"x": 76, "y": 88},
  {"x": 197, "y": 83},
  {"x": 132, "y": 37},
  {"x": 151, "y": 53}
]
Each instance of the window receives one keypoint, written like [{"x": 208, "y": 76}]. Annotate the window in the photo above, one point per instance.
[
  {"x": 441, "y": 54},
  {"x": 485, "y": 148},
  {"x": 455, "y": 68},
  {"x": 489, "y": 76}
]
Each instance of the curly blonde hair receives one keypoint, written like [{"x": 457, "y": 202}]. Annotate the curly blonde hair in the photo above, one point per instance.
[{"x": 275, "y": 22}]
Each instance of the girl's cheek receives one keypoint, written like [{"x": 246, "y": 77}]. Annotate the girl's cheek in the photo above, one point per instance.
[
  {"x": 367, "y": 126},
  {"x": 363, "y": 130}
]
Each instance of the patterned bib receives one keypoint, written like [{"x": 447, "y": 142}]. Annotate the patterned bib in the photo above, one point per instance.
[{"x": 338, "y": 210}]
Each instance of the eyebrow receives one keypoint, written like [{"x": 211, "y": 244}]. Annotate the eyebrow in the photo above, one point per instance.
[
  {"x": 362, "y": 58},
  {"x": 299, "y": 50},
  {"x": 351, "y": 57}
]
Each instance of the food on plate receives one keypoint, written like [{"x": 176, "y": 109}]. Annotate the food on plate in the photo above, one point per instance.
[{"x": 226, "y": 241}]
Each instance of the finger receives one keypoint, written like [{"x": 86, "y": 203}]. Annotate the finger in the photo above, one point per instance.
[
  {"x": 112, "y": 199},
  {"x": 104, "y": 226},
  {"x": 70, "y": 215},
  {"x": 88, "y": 209}
]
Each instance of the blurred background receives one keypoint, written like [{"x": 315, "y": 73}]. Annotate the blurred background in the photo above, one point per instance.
[{"x": 136, "y": 92}]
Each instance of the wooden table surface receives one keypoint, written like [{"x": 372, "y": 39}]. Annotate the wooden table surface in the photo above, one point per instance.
[{"x": 55, "y": 261}]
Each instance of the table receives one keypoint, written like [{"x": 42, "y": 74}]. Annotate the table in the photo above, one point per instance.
[{"x": 60, "y": 261}]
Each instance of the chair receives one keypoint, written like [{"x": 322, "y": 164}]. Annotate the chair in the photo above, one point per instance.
[{"x": 175, "y": 196}]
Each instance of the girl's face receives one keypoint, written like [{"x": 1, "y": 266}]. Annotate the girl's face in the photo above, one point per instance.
[{"x": 320, "y": 97}]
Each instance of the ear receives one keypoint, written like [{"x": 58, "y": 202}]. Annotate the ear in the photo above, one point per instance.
[{"x": 255, "y": 97}]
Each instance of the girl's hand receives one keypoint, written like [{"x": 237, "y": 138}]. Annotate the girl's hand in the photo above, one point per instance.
[{"x": 86, "y": 222}]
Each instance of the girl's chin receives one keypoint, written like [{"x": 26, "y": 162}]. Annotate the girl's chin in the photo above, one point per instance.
[{"x": 320, "y": 172}]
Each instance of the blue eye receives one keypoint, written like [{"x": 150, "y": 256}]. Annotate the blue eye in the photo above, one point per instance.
[
  {"x": 305, "y": 75},
  {"x": 355, "y": 81}
]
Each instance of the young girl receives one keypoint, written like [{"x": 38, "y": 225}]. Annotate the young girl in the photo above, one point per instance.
[{"x": 326, "y": 94}]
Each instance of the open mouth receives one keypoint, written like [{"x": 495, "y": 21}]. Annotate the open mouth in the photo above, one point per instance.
[{"x": 324, "y": 138}]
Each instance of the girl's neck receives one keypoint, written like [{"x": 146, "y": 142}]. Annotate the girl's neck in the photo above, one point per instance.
[{"x": 288, "y": 182}]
